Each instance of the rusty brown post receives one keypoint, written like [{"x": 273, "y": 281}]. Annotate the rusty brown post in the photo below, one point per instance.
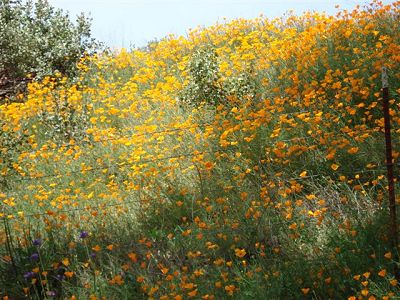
[{"x": 389, "y": 165}]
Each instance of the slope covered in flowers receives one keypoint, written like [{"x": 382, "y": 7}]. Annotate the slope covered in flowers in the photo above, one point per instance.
[{"x": 245, "y": 160}]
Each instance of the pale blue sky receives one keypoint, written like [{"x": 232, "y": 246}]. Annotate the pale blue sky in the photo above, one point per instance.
[{"x": 121, "y": 23}]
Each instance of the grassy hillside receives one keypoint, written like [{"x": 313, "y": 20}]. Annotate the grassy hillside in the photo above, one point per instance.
[{"x": 243, "y": 161}]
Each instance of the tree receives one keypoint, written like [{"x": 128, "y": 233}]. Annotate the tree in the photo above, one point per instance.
[{"x": 37, "y": 39}]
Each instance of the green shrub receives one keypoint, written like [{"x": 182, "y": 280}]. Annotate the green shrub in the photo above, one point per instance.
[
  {"x": 65, "y": 123},
  {"x": 38, "y": 39},
  {"x": 207, "y": 85},
  {"x": 204, "y": 83}
]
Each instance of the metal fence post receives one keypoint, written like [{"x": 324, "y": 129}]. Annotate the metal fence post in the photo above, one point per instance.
[{"x": 389, "y": 165}]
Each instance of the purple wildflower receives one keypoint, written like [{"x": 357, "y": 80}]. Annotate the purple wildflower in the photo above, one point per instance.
[
  {"x": 60, "y": 277},
  {"x": 84, "y": 234},
  {"x": 35, "y": 256},
  {"x": 29, "y": 275},
  {"x": 51, "y": 293},
  {"x": 36, "y": 242}
]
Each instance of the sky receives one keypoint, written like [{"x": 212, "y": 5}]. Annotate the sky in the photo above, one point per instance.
[{"x": 128, "y": 23}]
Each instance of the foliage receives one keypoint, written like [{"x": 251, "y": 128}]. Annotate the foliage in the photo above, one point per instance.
[
  {"x": 206, "y": 84},
  {"x": 38, "y": 39},
  {"x": 12, "y": 144},
  {"x": 269, "y": 184},
  {"x": 65, "y": 121}
]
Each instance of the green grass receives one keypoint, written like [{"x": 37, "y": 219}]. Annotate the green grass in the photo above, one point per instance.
[{"x": 267, "y": 183}]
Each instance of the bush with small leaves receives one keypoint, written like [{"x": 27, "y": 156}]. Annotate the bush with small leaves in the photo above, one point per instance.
[
  {"x": 204, "y": 84},
  {"x": 65, "y": 123},
  {"x": 207, "y": 85},
  {"x": 37, "y": 39}
]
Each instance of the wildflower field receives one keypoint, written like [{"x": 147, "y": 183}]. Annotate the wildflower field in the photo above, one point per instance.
[{"x": 243, "y": 161}]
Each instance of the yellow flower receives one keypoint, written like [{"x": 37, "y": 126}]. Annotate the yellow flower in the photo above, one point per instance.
[
  {"x": 240, "y": 252},
  {"x": 305, "y": 291},
  {"x": 353, "y": 150},
  {"x": 367, "y": 274},
  {"x": 364, "y": 292},
  {"x": 65, "y": 262},
  {"x": 303, "y": 174},
  {"x": 192, "y": 293},
  {"x": 96, "y": 248},
  {"x": 132, "y": 257},
  {"x": 230, "y": 289},
  {"x": 334, "y": 167},
  {"x": 188, "y": 286}
]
